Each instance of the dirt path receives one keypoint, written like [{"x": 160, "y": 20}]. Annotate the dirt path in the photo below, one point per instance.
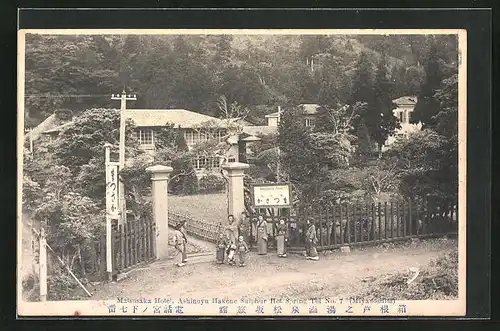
[{"x": 338, "y": 274}]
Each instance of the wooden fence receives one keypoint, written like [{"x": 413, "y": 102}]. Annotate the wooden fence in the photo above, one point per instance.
[
  {"x": 133, "y": 243},
  {"x": 346, "y": 225},
  {"x": 357, "y": 224},
  {"x": 197, "y": 228}
]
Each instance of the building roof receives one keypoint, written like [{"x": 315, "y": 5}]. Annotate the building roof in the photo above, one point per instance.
[
  {"x": 406, "y": 100},
  {"x": 50, "y": 122},
  {"x": 57, "y": 129},
  {"x": 272, "y": 115},
  {"x": 241, "y": 121},
  {"x": 256, "y": 130},
  {"x": 179, "y": 117},
  {"x": 310, "y": 108}
]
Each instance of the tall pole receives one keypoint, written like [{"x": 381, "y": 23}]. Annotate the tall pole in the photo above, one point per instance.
[{"x": 121, "y": 188}]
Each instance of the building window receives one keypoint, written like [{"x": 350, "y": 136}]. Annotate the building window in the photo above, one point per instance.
[
  {"x": 401, "y": 117},
  {"x": 205, "y": 162},
  {"x": 309, "y": 122},
  {"x": 194, "y": 137},
  {"x": 145, "y": 136},
  {"x": 231, "y": 159}
]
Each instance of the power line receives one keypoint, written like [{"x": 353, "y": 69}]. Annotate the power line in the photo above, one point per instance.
[{"x": 66, "y": 95}]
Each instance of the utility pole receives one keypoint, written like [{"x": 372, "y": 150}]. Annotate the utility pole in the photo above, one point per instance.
[{"x": 121, "y": 188}]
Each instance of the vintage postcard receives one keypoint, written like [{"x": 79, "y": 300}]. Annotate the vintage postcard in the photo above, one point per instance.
[{"x": 242, "y": 173}]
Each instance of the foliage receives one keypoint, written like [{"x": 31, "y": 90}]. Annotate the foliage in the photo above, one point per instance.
[
  {"x": 437, "y": 281},
  {"x": 183, "y": 179},
  {"x": 380, "y": 120},
  {"x": 212, "y": 183},
  {"x": 420, "y": 160},
  {"x": 172, "y": 71}
]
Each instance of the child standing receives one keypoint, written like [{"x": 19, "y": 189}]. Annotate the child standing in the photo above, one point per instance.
[
  {"x": 281, "y": 238},
  {"x": 221, "y": 248},
  {"x": 231, "y": 250},
  {"x": 242, "y": 250}
]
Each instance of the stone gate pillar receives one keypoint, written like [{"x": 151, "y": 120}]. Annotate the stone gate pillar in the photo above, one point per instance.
[
  {"x": 236, "y": 172},
  {"x": 159, "y": 177}
]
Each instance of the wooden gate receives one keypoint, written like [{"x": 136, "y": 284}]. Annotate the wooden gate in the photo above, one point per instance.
[{"x": 134, "y": 243}]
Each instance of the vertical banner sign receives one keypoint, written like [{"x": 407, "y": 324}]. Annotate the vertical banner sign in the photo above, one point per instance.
[
  {"x": 271, "y": 195},
  {"x": 112, "y": 190}
]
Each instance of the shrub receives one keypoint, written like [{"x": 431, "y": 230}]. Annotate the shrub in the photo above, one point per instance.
[
  {"x": 437, "y": 281},
  {"x": 211, "y": 184}
]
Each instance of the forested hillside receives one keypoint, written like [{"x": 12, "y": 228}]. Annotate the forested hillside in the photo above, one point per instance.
[{"x": 258, "y": 72}]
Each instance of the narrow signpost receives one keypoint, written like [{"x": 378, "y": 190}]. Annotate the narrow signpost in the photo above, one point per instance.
[{"x": 112, "y": 209}]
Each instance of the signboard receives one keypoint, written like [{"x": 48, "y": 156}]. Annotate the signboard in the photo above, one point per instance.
[
  {"x": 112, "y": 190},
  {"x": 271, "y": 195}
]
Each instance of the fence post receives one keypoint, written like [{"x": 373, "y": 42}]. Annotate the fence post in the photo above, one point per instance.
[
  {"x": 236, "y": 172},
  {"x": 43, "y": 266},
  {"x": 159, "y": 176}
]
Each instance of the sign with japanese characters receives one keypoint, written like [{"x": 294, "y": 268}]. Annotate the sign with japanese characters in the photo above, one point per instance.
[
  {"x": 112, "y": 190},
  {"x": 271, "y": 195}
]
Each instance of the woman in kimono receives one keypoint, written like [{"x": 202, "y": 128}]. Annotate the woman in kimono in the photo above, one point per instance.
[
  {"x": 180, "y": 240},
  {"x": 244, "y": 227},
  {"x": 311, "y": 241},
  {"x": 281, "y": 237},
  {"x": 261, "y": 235}
]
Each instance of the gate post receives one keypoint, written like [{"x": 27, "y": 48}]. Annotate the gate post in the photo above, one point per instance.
[
  {"x": 159, "y": 177},
  {"x": 236, "y": 172}
]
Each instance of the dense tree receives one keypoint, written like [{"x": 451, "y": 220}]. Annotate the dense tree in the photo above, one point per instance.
[
  {"x": 427, "y": 105},
  {"x": 380, "y": 119}
]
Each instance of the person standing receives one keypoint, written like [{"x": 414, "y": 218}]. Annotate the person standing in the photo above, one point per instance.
[
  {"x": 244, "y": 227},
  {"x": 180, "y": 238},
  {"x": 261, "y": 235},
  {"x": 281, "y": 237},
  {"x": 311, "y": 241},
  {"x": 221, "y": 248},
  {"x": 231, "y": 229}
]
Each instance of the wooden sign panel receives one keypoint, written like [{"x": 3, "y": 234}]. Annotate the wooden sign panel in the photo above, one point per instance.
[{"x": 271, "y": 195}]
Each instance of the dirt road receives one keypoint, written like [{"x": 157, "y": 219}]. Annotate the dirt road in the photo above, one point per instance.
[{"x": 337, "y": 274}]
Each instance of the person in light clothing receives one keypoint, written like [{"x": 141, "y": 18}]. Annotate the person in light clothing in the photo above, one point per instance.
[
  {"x": 311, "y": 241},
  {"x": 242, "y": 250},
  {"x": 179, "y": 244},
  {"x": 261, "y": 235},
  {"x": 181, "y": 227},
  {"x": 281, "y": 237}
]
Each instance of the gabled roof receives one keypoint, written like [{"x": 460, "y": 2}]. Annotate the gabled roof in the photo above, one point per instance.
[
  {"x": 50, "y": 122},
  {"x": 57, "y": 129},
  {"x": 406, "y": 100},
  {"x": 179, "y": 117}
]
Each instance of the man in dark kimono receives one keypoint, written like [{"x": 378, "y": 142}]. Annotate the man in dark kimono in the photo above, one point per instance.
[
  {"x": 244, "y": 228},
  {"x": 311, "y": 241}
]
